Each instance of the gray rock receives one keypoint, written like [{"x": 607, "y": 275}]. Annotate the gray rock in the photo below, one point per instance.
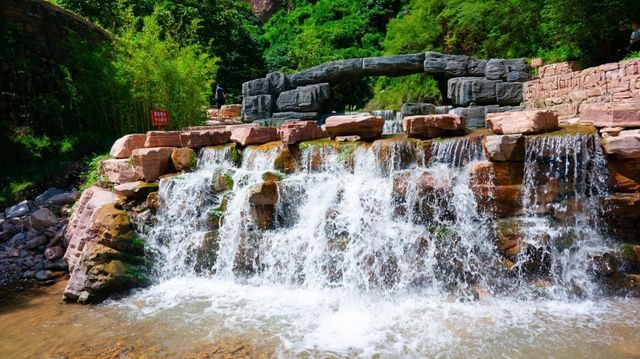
[
  {"x": 296, "y": 116},
  {"x": 53, "y": 253},
  {"x": 328, "y": 72},
  {"x": 463, "y": 91},
  {"x": 475, "y": 115},
  {"x": 434, "y": 62},
  {"x": 43, "y": 274},
  {"x": 509, "y": 93},
  {"x": 277, "y": 82},
  {"x": 393, "y": 65},
  {"x": 255, "y": 87},
  {"x": 64, "y": 198},
  {"x": 419, "y": 108},
  {"x": 18, "y": 238},
  {"x": 55, "y": 265},
  {"x": 46, "y": 195},
  {"x": 41, "y": 219},
  {"x": 452, "y": 65},
  {"x": 17, "y": 210},
  {"x": 257, "y": 107},
  {"x": 36, "y": 242},
  {"x": 456, "y": 66},
  {"x": 497, "y": 69},
  {"x": 309, "y": 98},
  {"x": 28, "y": 274},
  {"x": 476, "y": 67},
  {"x": 518, "y": 76}
]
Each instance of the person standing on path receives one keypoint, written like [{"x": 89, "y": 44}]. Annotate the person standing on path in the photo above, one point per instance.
[
  {"x": 634, "y": 42},
  {"x": 220, "y": 96}
]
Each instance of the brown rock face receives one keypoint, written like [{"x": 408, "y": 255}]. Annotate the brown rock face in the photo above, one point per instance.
[
  {"x": 523, "y": 122},
  {"x": 504, "y": 147},
  {"x": 263, "y": 9},
  {"x": 613, "y": 114},
  {"x": 298, "y": 131},
  {"x": 265, "y": 193},
  {"x": 202, "y": 138},
  {"x": 162, "y": 139},
  {"x": 124, "y": 145},
  {"x": 431, "y": 126},
  {"x": 151, "y": 163},
  {"x": 626, "y": 145},
  {"x": 183, "y": 159},
  {"x": 253, "y": 135},
  {"x": 497, "y": 187},
  {"x": 367, "y": 127},
  {"x": 120, "y": 171},
  {"x": 230, "y": 111},
  {"x": 625, "y": 175},
  {"x": 78, "y": 231},
  {"x": 622, "y": 213}
]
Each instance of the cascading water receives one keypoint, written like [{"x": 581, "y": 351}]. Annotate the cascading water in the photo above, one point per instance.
[{"x": 380, "y": 250}]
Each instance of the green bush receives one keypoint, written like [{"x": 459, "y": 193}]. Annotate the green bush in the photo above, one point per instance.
[{"x": 392, "y": 92}]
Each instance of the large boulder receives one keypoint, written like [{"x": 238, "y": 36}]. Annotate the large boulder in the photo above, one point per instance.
[
  {"x": 253, "y": 135},
  {"x": 78, "y": 230},
  {"x": 162, "y": 139},
  {"x": 135, "y": 190},
  {"x": 508, "y": 70},
  {"x": 625, "y": 174},
  {"x": 509, "y": 93},
  {"x": 255, "y": 87},
  {"x": 124, "y": 145},
  {"x": 120, "y": 170},
  {"x": 395, "y": 65},
  {"x": 183, "y": 159},
  {"x": 264, "y": 193},
  {"x": 230, "y": 111},
  {"x": 151, "y": 163},
  {"x": 41, "y": 219},
  {"x": 304, "y": 98},
  {"x": 625, "y": 145},
  {"x": 497, "y": 188},
  {"x": 431, "y": 126},
  {"x": 413, "y": 109},
  {"x": 475, "y": 115},
  {"x": 612, "y": 114},
  {"x": 365, "y": 126},
  {"x": 452, "y": 65},
  {"x": 524, "y": 122},
  {"x": 278, "y": 82},
  {"x": 504, "y": 147},
  {"x": 257, "y": 107},
  {"x": 463, "y": 91},
  {"x": 298, "y": 131},
  {"x": 202, "y": 138}
]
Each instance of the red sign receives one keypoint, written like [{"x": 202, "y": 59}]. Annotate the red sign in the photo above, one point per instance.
[
  {"x": 159, "y": 118},
  {"x": 536, "y": 62}
]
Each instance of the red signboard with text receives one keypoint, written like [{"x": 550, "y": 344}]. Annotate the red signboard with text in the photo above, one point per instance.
[{"x": 159, "y": 118}]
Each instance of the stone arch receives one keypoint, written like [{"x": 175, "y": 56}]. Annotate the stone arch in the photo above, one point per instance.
[{"x": 470, "y": 84}]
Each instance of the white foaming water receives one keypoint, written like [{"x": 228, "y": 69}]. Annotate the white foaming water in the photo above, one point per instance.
[{"x": 379, "y": 251}]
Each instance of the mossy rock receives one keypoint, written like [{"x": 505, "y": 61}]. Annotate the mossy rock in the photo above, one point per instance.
[
  {"x": 222, "y": 180},
  {"x": 216, "y": 215},
  {"x": 272, "y": 176},
  {"x": 286, "y": 161},
  {"x": 569, "y": 130}
]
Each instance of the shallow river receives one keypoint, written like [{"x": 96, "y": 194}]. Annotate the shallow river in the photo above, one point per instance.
[{"x": 206, "y": 318}]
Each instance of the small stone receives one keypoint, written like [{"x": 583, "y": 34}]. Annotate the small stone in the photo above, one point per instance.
[
  {"x": 53, "y": 253},
  {"x": 41, "y": 219},
  {"x": 17, "y": 210},
  {"x": 57, "y": 264},
  {"x": 183, "y": 159},
  {"x": 14, "y": 253},
  {"x": 36, "y": 242},
  {"x": 43, "y": 274}
]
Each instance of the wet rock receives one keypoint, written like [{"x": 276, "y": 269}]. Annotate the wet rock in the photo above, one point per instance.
[
  {"x": 525, "y": 122},
  {"x": 222, "y": 181},
  {"x": 504, "y": 147},
  {"x": 464, "y": 91},
  {"x": 135, "y": 190},
  {"x": 497, "y": 173},
  {"x": 36, "y": 242},
  {"x": 253, "y": 135},
  {"x": 183, "y": 159},
  {"x": 14, "y": 253},
  {"x": 367, "y": 127},
  {"x": 257, "y": 107},
  {"x": 53, "y": 253},
  {"x": 612, "y": 114},
  {"x": 393, "y": 154},
  {"x": 432, "y": 126},
  {"x": 310, "y": 98},
  {"x": 17, "y": 210},
  {"x": 151, "y": 163},
  {"x": 347, "y": 139},
  {"x": 265, "y": 193},
  {"x": 56, "y": 265},
  {"x": 497, "y": 187},
  {"x": 298, "y": 131},
  {"x": 622, "y": 146},
  {"x": 120, "y": 170},
  {"x": 18, "y": 237},
  {"x": 43, "y": 274},
  {"x": 412, "y": 109},
  {"x": 202, "y": 138},
  {"x": 523, "y": 248},
  {"x": 161, "y": 139},
  {"x": 621, "y": 211},
  {"x": 624, "y": 174},
  {"x": 124, "y": 145},
  {"x": 41, "y": 219},
  {"x": 286, "y": 161}
]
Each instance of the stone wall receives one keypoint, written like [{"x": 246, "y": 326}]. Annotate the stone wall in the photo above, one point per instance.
[
  {"x": 35, "y": 32},
  {"x": 561, "y": 88}
]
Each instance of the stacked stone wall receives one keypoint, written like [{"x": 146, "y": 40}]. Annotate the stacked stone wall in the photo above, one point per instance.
[{"x": 559, "y": 87}]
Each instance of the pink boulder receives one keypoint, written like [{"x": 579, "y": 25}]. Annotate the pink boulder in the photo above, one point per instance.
[
  {"x": 365, "y": 126},
  {"x": 202, "y": 138},
  {"x": 124, "y": 145},
  {"x": 120, "y": 170},
  {"x": 253, "y": 135},
  {"x": 430, "y": 126},
  {"x": 230, "y": 111},
  {"x": 162, "y": 139},
  {"x": 626, "y": 145},
  {"x": 298, "y": 131},
  {"x": 151, "y": 163},
  {"x": 525, "y": 122},
  {"x": 612, "y": 114}
]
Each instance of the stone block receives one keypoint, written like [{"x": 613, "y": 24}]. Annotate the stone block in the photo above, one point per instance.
[
  {"x": 162, "y": 139},
  {"x": 257, "y": 107},
  {"x": 412, "y": 109},
  {"x": 309, "y": 98},
  {"x": 366, "y": 127},
  {"x": 464, "y": 91},
  {"x": 120, "y": 170},
  {"x": 256, "y": 87},
  {"x": 509, "y": 93},
  {"x": 524, "y": 122},
  {"x": 151, "y": 163},
  {"x": 393, "y": 65},
  {"x": 124, "y": 145}
]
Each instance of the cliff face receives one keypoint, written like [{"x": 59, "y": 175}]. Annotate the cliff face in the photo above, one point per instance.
[{"x": 263, "y": 9}]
